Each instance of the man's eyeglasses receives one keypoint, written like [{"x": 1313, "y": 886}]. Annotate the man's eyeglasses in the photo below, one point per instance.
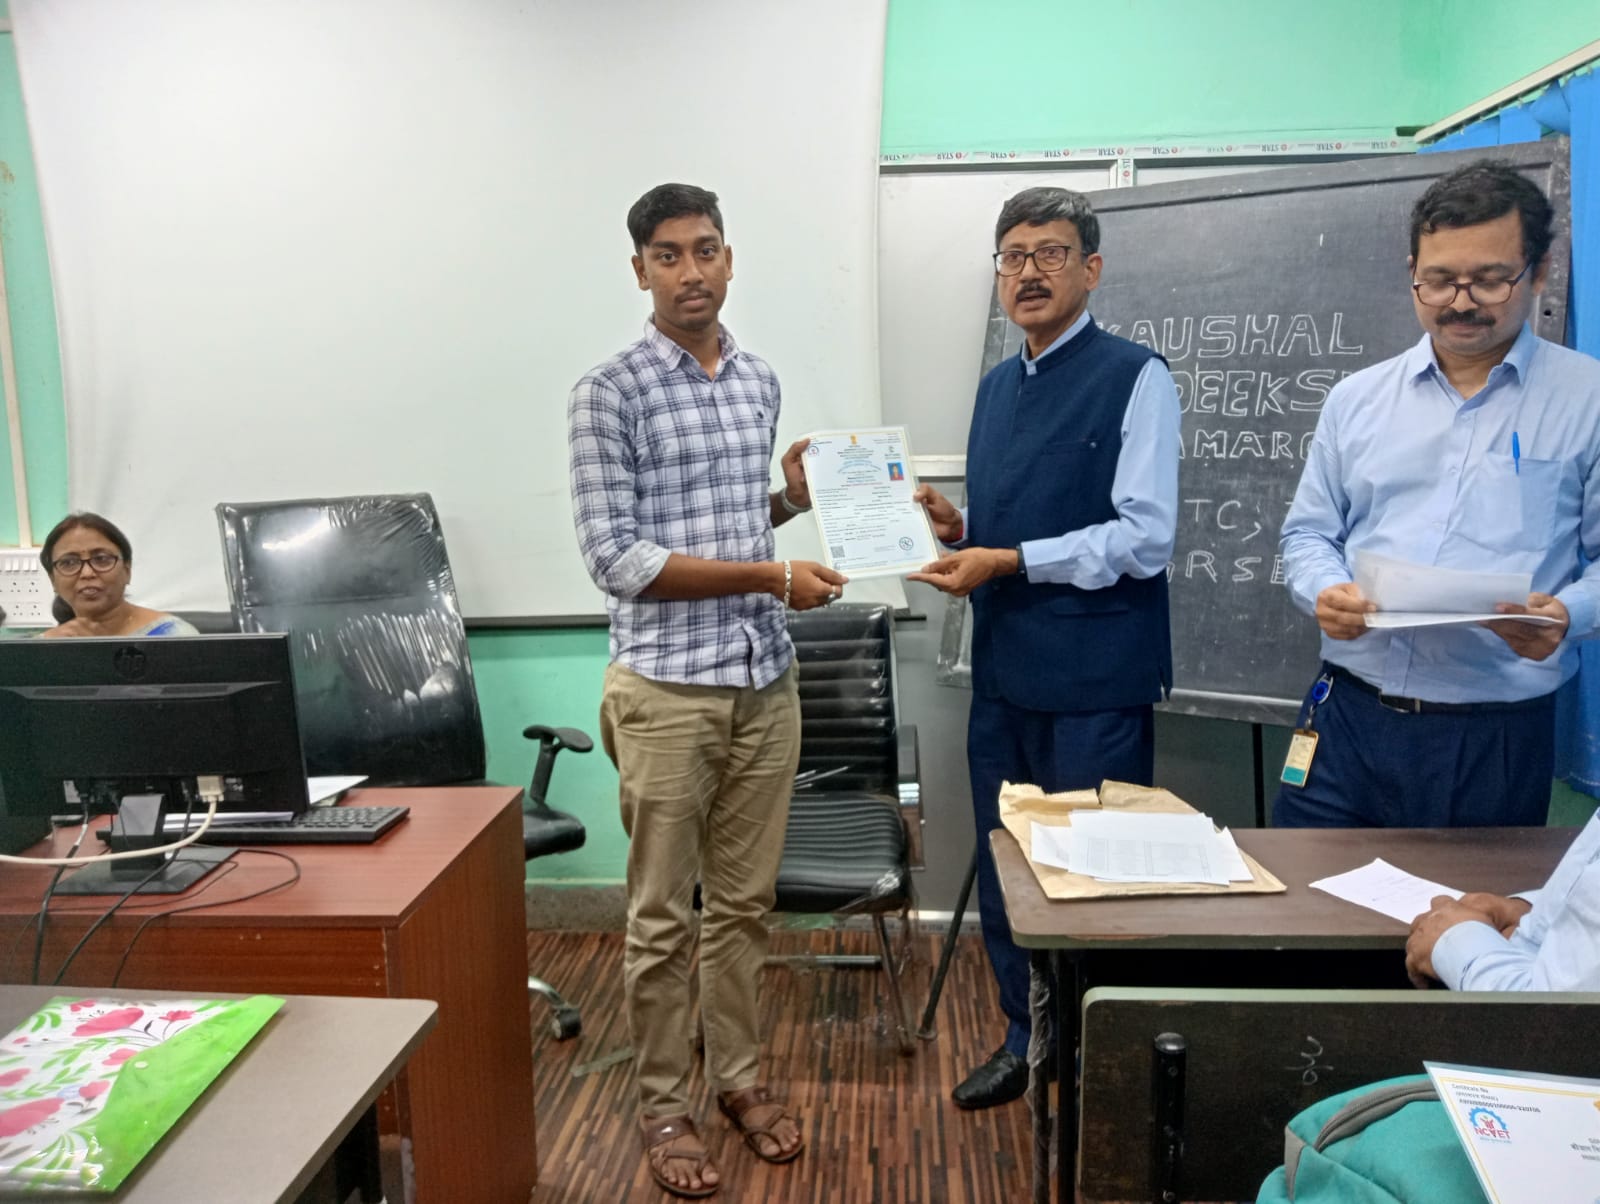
[
  {"x": 1440, "y": 293},
  {"x": 1046, "y": 259},
  {"x": 71, "y": 565}
]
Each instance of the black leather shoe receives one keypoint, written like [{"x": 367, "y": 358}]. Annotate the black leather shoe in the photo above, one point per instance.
[{"x": 1003, "y": 1078}]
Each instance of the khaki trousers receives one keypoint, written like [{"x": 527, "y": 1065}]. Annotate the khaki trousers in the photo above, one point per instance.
[{"x": 706, "y": 776}]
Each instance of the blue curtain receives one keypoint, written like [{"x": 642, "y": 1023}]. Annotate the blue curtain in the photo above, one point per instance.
[{"x": 1571, "y": 108}]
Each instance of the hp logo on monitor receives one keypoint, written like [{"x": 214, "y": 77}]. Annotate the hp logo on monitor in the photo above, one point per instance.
[{"x": 129, "y": 663}]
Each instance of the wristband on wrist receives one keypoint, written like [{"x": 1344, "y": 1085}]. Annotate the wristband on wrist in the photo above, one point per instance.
[
  {"x": 788, "y": 583},
  {"x": 1022, "y": 565},
  {"x": 783, "y": 496}
]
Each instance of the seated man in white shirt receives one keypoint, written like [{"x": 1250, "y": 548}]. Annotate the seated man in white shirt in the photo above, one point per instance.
[{"x": 1543, "y": 940}]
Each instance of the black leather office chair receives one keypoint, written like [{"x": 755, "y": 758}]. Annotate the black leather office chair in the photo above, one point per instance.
[
  {"x": 383, "y": 678},
  {"x": 855, "y": 821}
]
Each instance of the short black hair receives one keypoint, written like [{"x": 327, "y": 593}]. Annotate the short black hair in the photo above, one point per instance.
[
  {"x": 1481, "y": 192},
  {"x": 665, "y": 202},
  {"x": 1041, "y": 206}
]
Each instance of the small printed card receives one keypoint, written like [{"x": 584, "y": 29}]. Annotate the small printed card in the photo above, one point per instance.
[{"x": 89, "y": 1086}]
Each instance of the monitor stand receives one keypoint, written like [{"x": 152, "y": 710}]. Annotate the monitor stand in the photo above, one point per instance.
[{"x": 138, "y": 826}]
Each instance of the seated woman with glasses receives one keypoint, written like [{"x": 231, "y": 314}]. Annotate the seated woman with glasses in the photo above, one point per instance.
[{"x": 90, "y": 562}]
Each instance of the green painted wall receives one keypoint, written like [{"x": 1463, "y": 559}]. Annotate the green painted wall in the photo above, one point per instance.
[
  {"x": 33, "y": 320},
  {"x": 553, "y": 678},
  {"x": 1013, "y": 74},
  {"x": 1479, "y": 55}
]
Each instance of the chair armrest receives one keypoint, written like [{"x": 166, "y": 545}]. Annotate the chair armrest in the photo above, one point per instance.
[
  {"x": 908, "y": 779},
  {"x": 551, "y": 741}
]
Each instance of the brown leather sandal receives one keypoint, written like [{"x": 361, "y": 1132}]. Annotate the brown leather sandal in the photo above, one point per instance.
[
  {"x": 754, "y": 1113},
  {"x": 661, "y": 1136}
]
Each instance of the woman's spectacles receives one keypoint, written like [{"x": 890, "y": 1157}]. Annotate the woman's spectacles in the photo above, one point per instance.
[{"x": 71, "y": 565}]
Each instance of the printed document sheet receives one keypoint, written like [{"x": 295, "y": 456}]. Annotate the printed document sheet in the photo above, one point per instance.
[
  {"x": 1382, "y": 887},
  {"x": 1531, "y": 1138},
  {"x": 861, "y": 483},
  {"x": 1141, "y": 848},
  {"x": 1424, "y": 595}
]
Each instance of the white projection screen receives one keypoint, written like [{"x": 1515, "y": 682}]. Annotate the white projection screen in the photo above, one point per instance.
[{"x": 330, "y": 247}]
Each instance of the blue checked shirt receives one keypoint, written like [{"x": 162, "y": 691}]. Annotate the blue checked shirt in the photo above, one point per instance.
[{"x": 665, "y": 459}]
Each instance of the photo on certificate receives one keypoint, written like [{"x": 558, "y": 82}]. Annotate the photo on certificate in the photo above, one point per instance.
[{"x": 861, "y": 483}]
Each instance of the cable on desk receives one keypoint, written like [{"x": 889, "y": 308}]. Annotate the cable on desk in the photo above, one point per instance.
[
  {"x": 255, "y": 894},
  {"x": 174, "y": 846},
  {"x": 102, "y": 918},
  {"x": 44, "y": 904},
  {"x": 63, "y": 863}
]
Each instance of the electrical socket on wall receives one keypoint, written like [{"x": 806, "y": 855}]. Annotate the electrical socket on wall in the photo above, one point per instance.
[{"x": 25, "y": 591}]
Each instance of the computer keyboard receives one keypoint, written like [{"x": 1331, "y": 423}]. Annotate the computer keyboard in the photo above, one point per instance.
[{"x": 320, "y": 825}]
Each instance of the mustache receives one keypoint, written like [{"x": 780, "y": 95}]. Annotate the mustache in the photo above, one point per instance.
[
  {"x": 694, "y": 294},
  {"x": 1471, "y": 318},
  {"x": 1032, "y": 290}
]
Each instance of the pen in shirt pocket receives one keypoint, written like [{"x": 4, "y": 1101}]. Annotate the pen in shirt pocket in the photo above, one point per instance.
[{"x": 1516, "y": 453}]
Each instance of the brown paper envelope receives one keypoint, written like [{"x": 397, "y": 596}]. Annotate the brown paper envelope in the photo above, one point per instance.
[{"x": 1021, "y": 806}]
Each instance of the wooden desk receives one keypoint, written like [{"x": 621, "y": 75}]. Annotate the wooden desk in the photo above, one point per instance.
[
  {"x": 287, "y": 1104},
  {"x": 1060, "y": 933},
  {"x": 434, "y": 910}
]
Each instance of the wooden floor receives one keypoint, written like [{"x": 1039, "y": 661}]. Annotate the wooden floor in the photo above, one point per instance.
[{"x": 879, "y": 1127}]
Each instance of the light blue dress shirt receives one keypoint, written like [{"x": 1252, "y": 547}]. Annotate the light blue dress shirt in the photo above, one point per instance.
[
  {"x": 1402, "y": 465},
  {"x": 1144, "y": 490},
  {"x": 1556, "y": 947}
]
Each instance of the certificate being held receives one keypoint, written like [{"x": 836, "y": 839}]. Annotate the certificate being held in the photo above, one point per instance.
[{"x": 861, "y": 484}]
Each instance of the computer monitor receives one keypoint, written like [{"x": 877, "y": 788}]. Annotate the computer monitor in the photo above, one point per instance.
[{"x": 148, "y": 727}]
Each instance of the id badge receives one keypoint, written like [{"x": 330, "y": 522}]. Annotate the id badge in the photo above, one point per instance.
[{"x": 1297, "y": 765}]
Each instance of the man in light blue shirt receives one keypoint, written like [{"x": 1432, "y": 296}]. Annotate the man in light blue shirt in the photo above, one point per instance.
[
  {"x": 1478, "y": 449},
  {"x": 1543, "y": 940}
]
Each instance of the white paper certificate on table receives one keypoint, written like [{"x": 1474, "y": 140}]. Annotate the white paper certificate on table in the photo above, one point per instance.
[
  {"x": 1531, "y": 1138},
  {"x": 861, "y": 483}
]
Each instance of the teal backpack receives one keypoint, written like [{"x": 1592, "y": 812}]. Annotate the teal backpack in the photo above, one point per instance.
[{"x": 1385, "y": 1143}]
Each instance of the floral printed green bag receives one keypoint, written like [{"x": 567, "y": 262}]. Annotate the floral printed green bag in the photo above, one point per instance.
[{"x": 88, "y": 1087}]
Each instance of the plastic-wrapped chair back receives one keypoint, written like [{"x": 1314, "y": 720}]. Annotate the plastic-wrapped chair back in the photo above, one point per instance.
[
  {"x": 382, "y": 673},
  {"x": 847, "y": 704}
]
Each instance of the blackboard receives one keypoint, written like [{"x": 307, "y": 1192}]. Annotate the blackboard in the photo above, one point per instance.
[{"x": 1263, "y": 291}]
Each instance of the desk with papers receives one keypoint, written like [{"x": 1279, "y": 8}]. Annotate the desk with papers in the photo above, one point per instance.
[{"x": 1062, "y": 934}]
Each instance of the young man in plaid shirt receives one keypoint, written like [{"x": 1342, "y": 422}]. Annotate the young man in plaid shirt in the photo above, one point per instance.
[{"x": 671, "y": 445}]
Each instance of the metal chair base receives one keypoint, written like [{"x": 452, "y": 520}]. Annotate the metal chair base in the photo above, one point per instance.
[{"x": 565, "y": 1022}]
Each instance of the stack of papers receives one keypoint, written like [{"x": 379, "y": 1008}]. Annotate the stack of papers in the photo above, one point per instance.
[
  {"x": 1141, "y": 847},
  {"x": 1424, "y": 595}
]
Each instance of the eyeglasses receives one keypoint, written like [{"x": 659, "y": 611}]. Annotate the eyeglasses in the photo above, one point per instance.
[
  {"x": 71, "y": 565},
  {"x": 1441, "y": 293},
  {"x": 1046, "y": 259}
]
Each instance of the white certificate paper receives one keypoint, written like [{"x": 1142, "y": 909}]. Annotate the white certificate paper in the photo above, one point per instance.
[
  {"x": 1531, "y": 1138},
  {"x": 861, "y": 484}
]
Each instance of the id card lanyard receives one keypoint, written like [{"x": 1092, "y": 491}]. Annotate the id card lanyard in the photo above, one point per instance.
[{"x": 1303, "y": 744}]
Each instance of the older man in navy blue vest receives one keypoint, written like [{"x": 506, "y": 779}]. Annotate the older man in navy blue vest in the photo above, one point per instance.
[{"x": 1072, "y": 496}]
